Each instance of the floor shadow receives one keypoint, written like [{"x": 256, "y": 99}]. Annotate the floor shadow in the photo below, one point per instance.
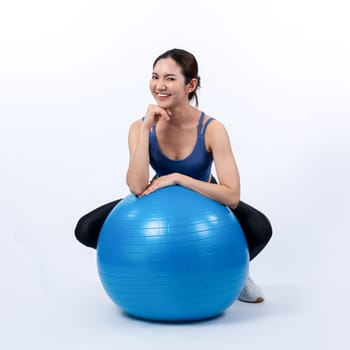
[
  {"x": 279, "y": 300},
  {"x": 175, "y": 323}
]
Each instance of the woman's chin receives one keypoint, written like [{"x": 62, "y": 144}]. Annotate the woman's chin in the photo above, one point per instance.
[{"x": 164, "y": 104}]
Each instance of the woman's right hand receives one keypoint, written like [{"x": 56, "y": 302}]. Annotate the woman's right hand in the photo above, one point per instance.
[{"x": 154, "y": 114}]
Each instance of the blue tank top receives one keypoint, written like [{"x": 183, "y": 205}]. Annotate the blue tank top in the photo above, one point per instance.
[{"x": 197, "y": 164}]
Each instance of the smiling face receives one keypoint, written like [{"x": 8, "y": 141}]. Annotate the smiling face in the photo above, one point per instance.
[{"x": 167, "y": 84}]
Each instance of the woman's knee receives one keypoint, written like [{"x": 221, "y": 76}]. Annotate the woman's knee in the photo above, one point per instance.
[
  {"x": 262, "y": 228},
  {"x": 256, "y": 227},
  {"x": 254, "y": 222},
  {"x": 84, "y": 232},
  {"x": 89, "y": 226}
]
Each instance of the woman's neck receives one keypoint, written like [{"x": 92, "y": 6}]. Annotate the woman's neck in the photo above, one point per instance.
[{"x": 183, "y": 116}]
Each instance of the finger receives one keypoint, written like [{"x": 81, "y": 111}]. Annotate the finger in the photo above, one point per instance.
[
  {"x": 161, "y": 112},
  {"x": 165, "y": 114},
  {"x": 147, "y": 191}
]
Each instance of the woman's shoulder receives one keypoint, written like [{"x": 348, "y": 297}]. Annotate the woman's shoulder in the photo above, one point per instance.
[
  {"x": 136, "y": 123},
  {"x": 135, "y": 127},
  {"x": 212, "y": 123},
  {"x": 215, "y": 131}
]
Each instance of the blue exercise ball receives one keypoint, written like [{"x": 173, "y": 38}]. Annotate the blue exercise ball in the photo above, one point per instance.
[{"x": 173, "y": 255}]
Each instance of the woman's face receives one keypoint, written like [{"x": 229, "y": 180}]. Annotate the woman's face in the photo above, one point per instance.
[{"x": 167, "y": 84}]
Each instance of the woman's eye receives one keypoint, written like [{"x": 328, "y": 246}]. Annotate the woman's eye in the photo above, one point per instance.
[
  {"x": 171, "y": 79},
  {"x": 154, "y": 77}
]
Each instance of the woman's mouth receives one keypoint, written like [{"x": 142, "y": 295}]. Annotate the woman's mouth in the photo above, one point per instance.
[{"x": 162, "y": 96}]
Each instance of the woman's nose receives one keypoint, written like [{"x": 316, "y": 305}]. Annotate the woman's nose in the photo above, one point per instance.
[{"x": 161, "y": 85}]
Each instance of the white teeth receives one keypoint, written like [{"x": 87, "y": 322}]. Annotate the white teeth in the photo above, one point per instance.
[{"x": 163, "y": 95}]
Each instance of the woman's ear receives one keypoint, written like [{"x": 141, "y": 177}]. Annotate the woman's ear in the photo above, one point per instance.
[{"x": 192, "y": 85}]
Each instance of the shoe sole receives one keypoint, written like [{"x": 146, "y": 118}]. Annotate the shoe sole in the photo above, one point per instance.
[{"x": 257, "y": 301}]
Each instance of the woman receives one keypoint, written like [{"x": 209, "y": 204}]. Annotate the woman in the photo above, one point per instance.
[{"x": 181, "y": 143}]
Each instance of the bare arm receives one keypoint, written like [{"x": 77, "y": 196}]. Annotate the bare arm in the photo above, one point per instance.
[
  {"x": 137, "y": 176},
  {"x": 227, "y": 191}
]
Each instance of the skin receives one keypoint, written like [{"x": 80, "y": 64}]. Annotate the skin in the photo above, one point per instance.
[{"x": 177, "y": 122}]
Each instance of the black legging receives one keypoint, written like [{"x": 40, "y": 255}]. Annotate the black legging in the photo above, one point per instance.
[{"x": 255, "y": 225}]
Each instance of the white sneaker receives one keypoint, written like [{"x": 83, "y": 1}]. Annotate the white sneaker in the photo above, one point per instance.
[{"x": 251, "y": 293}]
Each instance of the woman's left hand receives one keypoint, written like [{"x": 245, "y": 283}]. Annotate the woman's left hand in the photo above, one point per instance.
[{"x": 160, "y": 182}]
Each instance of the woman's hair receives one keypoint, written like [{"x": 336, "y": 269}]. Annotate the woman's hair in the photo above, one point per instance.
[{"x": 189, "y": 67}]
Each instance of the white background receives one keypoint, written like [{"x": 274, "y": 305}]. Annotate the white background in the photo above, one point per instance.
[{"x": 74, "y": 75}]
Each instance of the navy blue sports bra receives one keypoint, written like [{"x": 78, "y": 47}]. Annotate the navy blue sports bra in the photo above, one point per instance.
[{"x": 197, "y": 164}]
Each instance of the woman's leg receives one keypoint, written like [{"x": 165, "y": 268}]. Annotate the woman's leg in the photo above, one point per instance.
[
  {"x": 256, "y": 227},
  {"x": 258, "y": 231},
  {"x": 89, "y": 226}
]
